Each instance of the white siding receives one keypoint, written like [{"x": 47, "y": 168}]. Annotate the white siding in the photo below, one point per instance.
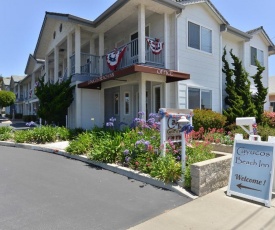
[{"x": 204, "y": 68}]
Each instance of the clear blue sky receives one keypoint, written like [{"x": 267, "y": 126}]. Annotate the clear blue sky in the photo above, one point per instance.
[{"x": 21, "y": 21}]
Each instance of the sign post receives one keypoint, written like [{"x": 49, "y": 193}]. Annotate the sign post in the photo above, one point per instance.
[{"x": 252, "y": 170}]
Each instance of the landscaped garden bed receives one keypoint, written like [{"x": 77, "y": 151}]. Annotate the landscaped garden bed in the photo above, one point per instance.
[{"x": 138, "y": 148}]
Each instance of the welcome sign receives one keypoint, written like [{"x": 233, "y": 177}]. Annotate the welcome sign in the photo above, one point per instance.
[{"x": 252, "y": 171}]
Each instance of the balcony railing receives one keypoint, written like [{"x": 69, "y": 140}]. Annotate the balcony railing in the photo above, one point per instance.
[{"x": 90, "y": 63}]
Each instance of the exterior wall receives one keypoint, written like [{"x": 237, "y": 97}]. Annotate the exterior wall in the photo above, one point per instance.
[
  {"x": 203, "y": 67},
  {"x": 91, "y": 101},
  {"x": 257, "y": 42},
  {"x": 60, "y": 36}
]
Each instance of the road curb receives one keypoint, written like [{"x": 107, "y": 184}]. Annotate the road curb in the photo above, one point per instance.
[{"x": 145, "y": 178}]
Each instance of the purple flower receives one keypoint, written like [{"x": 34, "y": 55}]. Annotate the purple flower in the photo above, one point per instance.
[
  {"x": 109, "y": 124},
  {"x": 126, "y": 152},
  {"x": 141, "y": 113},
  {"x": 112, "y": 119},
  {"x": 140, "y": 133},
  {"x": 178, "y": 158},
  {"x": 30, "y": 123},
  {"x": 127, "y": 159}
]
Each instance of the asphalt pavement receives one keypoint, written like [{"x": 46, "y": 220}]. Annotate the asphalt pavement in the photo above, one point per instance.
[{"x": 40, "y": 190}]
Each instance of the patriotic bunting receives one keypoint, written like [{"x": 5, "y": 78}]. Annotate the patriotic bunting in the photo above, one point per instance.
[
  {"x": 113, "y": 59},
  {"x": 155, "y": 45}
]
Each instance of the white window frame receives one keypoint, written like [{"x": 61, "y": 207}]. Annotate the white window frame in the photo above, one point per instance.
[
  {"x": 200, "y": 37},
  {"x": 200, "y": 99},
  {"x": 259, "y": 53}
]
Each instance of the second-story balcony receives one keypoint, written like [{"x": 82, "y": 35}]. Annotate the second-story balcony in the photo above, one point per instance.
[{"x": 90, "y": 64}]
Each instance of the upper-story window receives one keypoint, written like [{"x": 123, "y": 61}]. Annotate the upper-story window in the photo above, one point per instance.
[
  {"x": 256, "y": 54},
  {"x": 199, "y": 37}
]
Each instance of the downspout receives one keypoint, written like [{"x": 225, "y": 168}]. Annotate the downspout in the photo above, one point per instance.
[
  {"x": 177, "y": 15},
  {"x": 223, "y": 28}
]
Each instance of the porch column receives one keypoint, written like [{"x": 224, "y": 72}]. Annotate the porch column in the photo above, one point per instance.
[
  {"x": 33, "y": 83},
  {"x": 56, "y": 63},
  {"x": 46, "y": 78},
  {"x": 78, "y": 107},
  {"x": 166, "y": 41},
  {"x": 92, "y": 46},
  {"x": 101, "y": 52},
  {"x": 141, "y": 33},
  {"x": 77, "y": 49},
  {"x": 142, "y": 96},
  {"x": 69, "y": 54}
]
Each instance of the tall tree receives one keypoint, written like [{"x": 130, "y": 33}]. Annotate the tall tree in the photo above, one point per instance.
[
  {"x": 7, "y": 98},
  {"x": 229, "y": 82},
  {"x": 54, "y": 100},
  {"x": 239, "y": 98},
  {"x": 242, "y": 86},
  {"x": 260, "y": 98}
]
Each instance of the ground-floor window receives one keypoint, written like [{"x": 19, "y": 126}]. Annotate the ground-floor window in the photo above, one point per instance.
[
  {"x": 273, "y": 105},
  {"x": 199, "y": 98}
]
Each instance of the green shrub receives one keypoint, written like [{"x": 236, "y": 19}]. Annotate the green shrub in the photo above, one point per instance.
[
  {"x": 81, "y": 145},
  {"x": 106, "y": 146},
  {"x": 41, "y": 135},
  {"x": 166, "y": 169},
  {"x": 5, "y": 133},
  {"x": 208, "y": 119},
  {"x": 63, "y": 133}
]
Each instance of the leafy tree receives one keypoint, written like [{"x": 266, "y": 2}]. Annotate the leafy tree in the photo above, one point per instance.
[
  {"x": 230, "y": 85},
  {"x": 260, "y": 97},
  {"x": 7, "y": 98},
  {"x": 242, "y": 87},
  {"x": 239, "y": 98},
  {"x": 54, "y": 100}
]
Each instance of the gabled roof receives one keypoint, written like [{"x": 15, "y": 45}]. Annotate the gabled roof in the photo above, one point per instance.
[
  {"x": 209, "y": 3},
  {"x": 6, "y": 80},
  {"x": 31, "y": 63},
  {"x": 271, "y": 47},
  {"x": 17, "y": 78},
  {"x": 258, "y": 30}
]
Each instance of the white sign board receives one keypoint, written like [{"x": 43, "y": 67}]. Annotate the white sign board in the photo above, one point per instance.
[
  {"x": 252, "y": 170},
  {"x": 169, "y": 126}
]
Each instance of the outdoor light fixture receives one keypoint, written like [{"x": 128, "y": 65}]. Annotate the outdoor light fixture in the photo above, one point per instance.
[{"x": 183, "y": 120}]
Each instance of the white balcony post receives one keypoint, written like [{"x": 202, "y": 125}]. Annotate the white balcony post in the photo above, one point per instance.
[
  {"x": 166, "y": 41},
  {"x": 46, "y": 78},
  {"x": 56, "y": 63},
  {"x": 142, "y": 96},
  {"x": 69, "y": 54},
  {"x": 141, "y": 33},
  {"x": 77, "y": 49},
  {"x": 101, "y": 52}
]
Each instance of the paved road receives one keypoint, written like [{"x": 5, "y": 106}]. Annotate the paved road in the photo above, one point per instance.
[{"x": 40, "y": 190}]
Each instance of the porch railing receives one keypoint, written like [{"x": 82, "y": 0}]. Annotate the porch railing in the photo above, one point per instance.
[
  {"x": 91, "y": 66},
  {"x": 130, "y": 57},
  {"x": 90, "y": 63}
]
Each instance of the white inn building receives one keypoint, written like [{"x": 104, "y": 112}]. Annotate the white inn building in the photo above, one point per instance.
[{"x": 141, "y": 55}]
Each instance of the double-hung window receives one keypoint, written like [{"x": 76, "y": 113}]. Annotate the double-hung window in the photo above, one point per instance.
[
  {"x": 199, "y": 98},
  {"x": 199, "y": 37},
  {"x": 256, "y": 54}
]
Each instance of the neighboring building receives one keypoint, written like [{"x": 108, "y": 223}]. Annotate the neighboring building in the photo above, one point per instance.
[
  {"x": 15, "y": 87},
  {"x": 271, "y": 93},
  {"x": 185, "y": 72}
]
